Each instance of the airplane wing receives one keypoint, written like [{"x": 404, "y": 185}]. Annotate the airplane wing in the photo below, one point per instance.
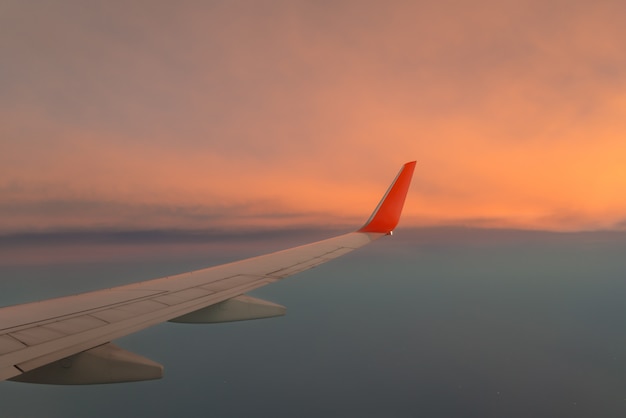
[{"x": 68, "y": 340}]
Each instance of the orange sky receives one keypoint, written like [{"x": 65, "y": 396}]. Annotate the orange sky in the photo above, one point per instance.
[{"x": 286, "y": 113}]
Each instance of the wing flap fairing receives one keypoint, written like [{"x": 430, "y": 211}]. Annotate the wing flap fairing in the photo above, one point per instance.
[
  {"x": 103, "y": 364},
  {"x": 240, "y": 308}
]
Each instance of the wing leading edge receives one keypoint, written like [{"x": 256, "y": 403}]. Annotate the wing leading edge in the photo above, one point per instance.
[{"x": 68, "y": 340}]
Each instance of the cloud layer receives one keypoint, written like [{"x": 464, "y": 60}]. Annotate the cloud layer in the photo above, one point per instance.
[{"x": 200, "y": 114}]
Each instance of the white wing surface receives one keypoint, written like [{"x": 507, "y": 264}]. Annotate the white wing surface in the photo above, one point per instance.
[{"x": 68, "y": 340}]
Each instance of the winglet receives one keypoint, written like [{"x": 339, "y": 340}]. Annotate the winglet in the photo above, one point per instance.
[{"x": 387, "y": 213}]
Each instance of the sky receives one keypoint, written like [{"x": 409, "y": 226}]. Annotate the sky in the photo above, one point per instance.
[{"x": 213, "y": 115}]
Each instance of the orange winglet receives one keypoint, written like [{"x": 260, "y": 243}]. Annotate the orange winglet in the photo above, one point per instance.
[{"x": 387, "y": 213}]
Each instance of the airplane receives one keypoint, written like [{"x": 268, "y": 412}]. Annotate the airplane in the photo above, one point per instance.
[{"x": 67, "y": 340}]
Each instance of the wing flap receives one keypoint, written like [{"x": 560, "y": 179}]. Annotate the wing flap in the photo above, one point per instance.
[
  {"x": 76, "y": 324},
  {"x": 9, "y": 344},
  {"x": 231, "y": 282},
  {"x": 51, "y": 310},
  {"x": 174, "y": 298},
  {"x": 36, "y": 335}
]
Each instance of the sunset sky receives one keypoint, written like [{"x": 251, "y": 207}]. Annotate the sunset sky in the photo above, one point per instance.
[{"x": 263, "y": 114}]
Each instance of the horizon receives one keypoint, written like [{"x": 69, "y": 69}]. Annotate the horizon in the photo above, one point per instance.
[{"x": 84, "y": 246}]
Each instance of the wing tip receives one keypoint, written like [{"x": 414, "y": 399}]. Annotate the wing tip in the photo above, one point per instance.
[{"x": 387, "y": 214}]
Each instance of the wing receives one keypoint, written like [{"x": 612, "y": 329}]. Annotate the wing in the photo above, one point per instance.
[{"x": 68, "y": 340}]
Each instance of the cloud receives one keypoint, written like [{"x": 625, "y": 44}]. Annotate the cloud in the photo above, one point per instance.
[{"x": 513, "y": 111}]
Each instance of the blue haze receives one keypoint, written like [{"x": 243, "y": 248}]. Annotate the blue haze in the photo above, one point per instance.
[{"x": 435, "y": 322}]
